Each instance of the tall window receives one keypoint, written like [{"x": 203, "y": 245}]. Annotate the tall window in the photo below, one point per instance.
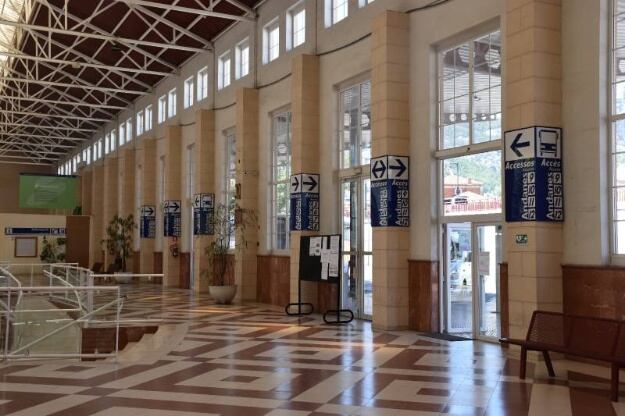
[
  {"x": 113, "y": 140},
  {"x": 470, "y": 92},
  {"x": 335, "y": 11},
  {"x": 122, "y": 133},
  {"x": 618, "y": 128},
  {"x": 355, "y": 122},
  {"x": 470, "y": 113},
  {"x": 296, "y": 26},
  {"x": 281, "y": 175},
  {"x": 148, "y": 118},
  {"x": 363, "y": 3},
  {"x": 202, "y": 83},
  {"x": 140, "y": 123},
  {"x": 223, "y": 70},
  {"x": 162, "y": 108},
  {"x": 230, "y": 174},
  {"x": 129, "y": 130},
  {"x": 242, "y": 59},
  {"x": 189, "y": 90},
  {"x": 271, "y": 41},
  {"x": 172, "y": 103}
]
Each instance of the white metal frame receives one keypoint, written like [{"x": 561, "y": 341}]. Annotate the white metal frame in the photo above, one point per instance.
[{"x": 273, "y": 184}]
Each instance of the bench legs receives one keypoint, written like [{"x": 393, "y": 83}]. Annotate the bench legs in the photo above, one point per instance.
[
  {"x": 615, "y": 383},
  {"x": 523, "y": 363},
  {"x": 548, "y": 364}
]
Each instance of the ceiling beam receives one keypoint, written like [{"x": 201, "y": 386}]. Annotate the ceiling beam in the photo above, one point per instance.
[
  {"x": 108, "y": 38},
  {"x": 39, "y": 126},
  {"x": 70, "y": 85},
  {"x": 12, "y": 162},
  {"x": 76, "y": 64},
  {"x": 37, "y": 144},
  {"x": 190, "y": 10},
  {"x": 47, "y": 115},
  {"x": 43, "y": 136},
  {"x": 72, "y": 103}
]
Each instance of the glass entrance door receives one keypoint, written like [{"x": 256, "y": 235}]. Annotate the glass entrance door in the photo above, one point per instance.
[
  {"x": 357, "y": 276},
  {"x": 472, "y": 255}
]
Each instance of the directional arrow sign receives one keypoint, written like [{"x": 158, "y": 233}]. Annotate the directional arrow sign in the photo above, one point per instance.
[
  {"x": 520, "y": 144},
  {"x": 311, "y": 182},
  {"x": 207, "y": 200},
  {"x": 398, "y": 167},
  {"x": 197, "y": 201},
  {"x": 147, "y": 210},
  {"x": 378, "y": 168},
  {"x": 295, "y": 184}
]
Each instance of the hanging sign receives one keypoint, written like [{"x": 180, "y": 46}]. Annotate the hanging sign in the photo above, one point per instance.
[
  {"x": 304, "y": 202},
  {"x": 34, "y": 231},
  {"x": 172, "y": 221},
  {"x": 147, "y": 224},
  {"x": 203, "y": 211},
  {"x": 390, "y": 193},
  {"x": 533, "y": 165}
]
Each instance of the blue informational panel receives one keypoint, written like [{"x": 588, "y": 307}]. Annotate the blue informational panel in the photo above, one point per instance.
[
  {"x": 172, "y": 221},
  {"x": 533, "y": 165},
  {"x": 304, "y": 202},
  {"x": 147, "y": 224},
  {"x": 34, "y": 231},
  {"x": 203, "y": 211},
  {"x": 390, "y": 191}
]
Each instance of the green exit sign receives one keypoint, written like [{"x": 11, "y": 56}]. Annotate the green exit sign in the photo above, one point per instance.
[{"x": 521, "y": 239}]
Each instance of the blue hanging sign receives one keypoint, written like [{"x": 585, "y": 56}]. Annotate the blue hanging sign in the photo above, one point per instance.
[
  {"x": 534, "y": 182},
  {"x": 203, "y": 211},
  {"x": 147, "y": 224},
  {"x": 34, "y": 231},
  {"x": 172, "y": 220},
  {"x": 304, "y": 202},
  {"x": 390, "y": 191}
]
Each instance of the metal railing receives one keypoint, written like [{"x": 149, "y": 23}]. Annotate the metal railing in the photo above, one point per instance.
[{"x": 30, "y": 271}]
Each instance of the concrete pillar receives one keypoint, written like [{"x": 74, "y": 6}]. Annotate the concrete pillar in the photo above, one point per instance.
[
  {"x": 304, "y": 150},
  {"x": 111, "y": 198},
  {"x": 390, "y": 83},
  {"x": 205, "y": 180},
  {"x": 533, "y": 97},
  {"x": 247, "y": 190},
  {"x": 127, "y": 195},
  {"x": 97, "y": 212},
  {"x": 147, "y": 160},
  {"x": 173, "y": 192},
  {"x": 86, "y": 190}
]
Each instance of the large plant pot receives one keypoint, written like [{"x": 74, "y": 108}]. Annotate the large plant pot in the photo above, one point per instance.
[
  {"x": 123, "y": 277},
  {"x": 223, "y": 295}
]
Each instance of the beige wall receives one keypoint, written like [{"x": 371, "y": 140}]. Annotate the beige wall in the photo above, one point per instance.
[
  {"x": 10, "y": 184},
  {"x": 7, "y": 242}
]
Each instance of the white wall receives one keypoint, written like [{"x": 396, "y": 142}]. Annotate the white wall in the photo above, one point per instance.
[{"x": 7, "y": 242}]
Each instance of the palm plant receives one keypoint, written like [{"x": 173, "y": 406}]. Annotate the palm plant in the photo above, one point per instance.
[{"x": 118, "y": 239}]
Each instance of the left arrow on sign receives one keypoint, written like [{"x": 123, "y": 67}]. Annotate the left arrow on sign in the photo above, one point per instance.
[{"x": 517, "y": 144}]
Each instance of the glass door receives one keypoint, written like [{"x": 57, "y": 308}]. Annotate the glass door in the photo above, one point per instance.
[
  {"x": 357, "y": 276},
  {"x": 471, "y": 270}
]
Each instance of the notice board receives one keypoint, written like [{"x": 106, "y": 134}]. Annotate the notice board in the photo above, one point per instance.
[{"x": 320, "y": 258}]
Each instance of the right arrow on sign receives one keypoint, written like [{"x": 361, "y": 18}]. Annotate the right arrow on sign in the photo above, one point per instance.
[
  {"x": 399, "y": 169},
  {"x": 295, "y": 183},
  {"x": 312, "y": 183},
  {"x": 517, "y": 144}
]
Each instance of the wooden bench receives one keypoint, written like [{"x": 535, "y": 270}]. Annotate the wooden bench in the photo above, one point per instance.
[{"x": 593, "y": 338}]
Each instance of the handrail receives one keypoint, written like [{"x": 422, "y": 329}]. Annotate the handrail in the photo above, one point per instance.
[{"x": 52, "y": 276}]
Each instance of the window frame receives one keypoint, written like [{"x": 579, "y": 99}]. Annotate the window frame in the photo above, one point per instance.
[
  {"x": 228, "y": 193},
  {"x": 149, "y": 120},
  {"x": 291, "y": 15},
  {"x": 341, "y": 128},
  {"x": 162, "y": 108},
  {"x": 238, "y": 59},
  {"x": 274, "y": 182},
  {"x": 139, "y": 122},
  {"x": 270, "y": 27},
  {"x": 172, "y": 103},
  {"x": 189, "y": 92},
  {"x": 202, "y": 84},
  {"x": 224, "y": 70}
]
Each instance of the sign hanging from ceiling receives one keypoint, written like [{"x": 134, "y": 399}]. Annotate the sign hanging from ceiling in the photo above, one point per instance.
[
  {"x": 304, "y": 202},
  {"x": 390, "y": 194},
  {"x": 534, "y": 181}
]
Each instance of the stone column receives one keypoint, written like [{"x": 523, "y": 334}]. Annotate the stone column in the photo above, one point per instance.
[
  {"x": 111, "y": 198},
  {"x": 127, "y": 194},
  {"x": 97, "y": 212},
  {"x": 304, "y": 150},
  {"x": 147, "y": 160},
  {"x": 247, "y": 190},
  {"x": 390, "y": 85},
  {"x": 173, "y": 192},
  {"x": 86, "y": 190},
  {"x": 205, "y": 180},
  {"x": 533, "y": 97}
]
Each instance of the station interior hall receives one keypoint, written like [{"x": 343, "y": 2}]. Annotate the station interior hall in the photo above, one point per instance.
[{"x": 312, "y": 207}]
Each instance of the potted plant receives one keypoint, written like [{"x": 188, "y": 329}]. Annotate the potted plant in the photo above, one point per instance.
[
  {"x": 118, "y": 243},
  {"x": 52, "y": 250},
  {"x": 229, "y": 223}
]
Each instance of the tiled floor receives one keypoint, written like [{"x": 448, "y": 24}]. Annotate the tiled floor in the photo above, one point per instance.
[{"x": 254, "y": 360}]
